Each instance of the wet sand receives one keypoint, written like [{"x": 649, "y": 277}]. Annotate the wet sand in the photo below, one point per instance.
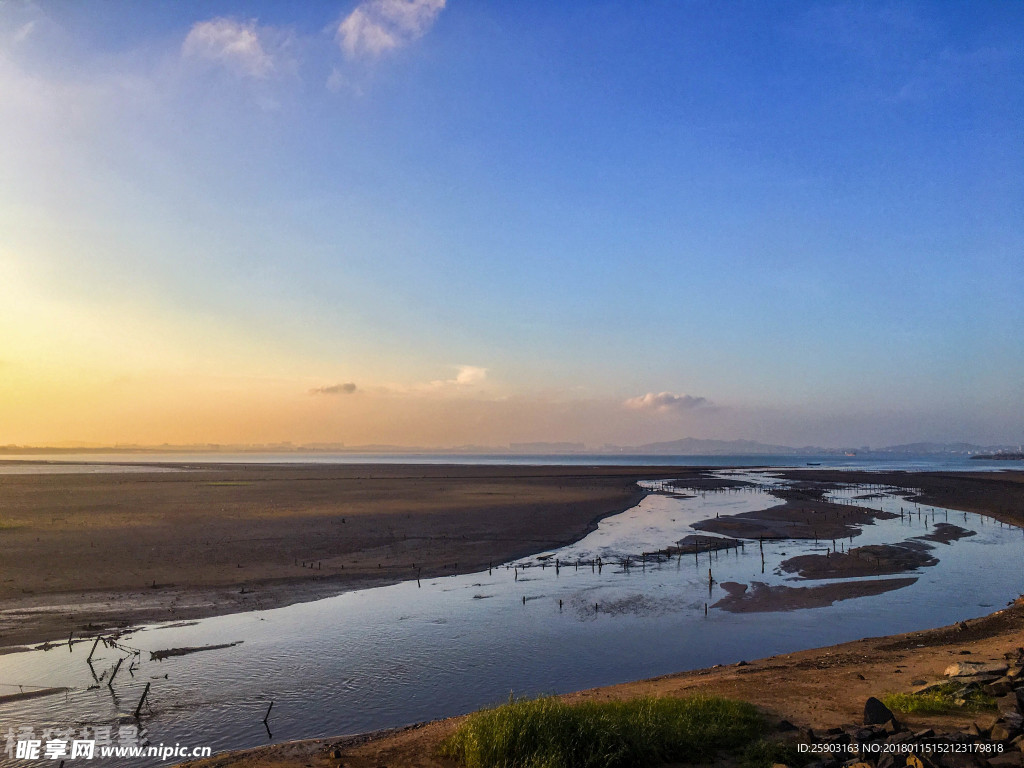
[
  {"x": 767, "y": 598},
  {"x": 873, "y": 560},
  {"x": 796, "y": 518},
  {"x": 996, "y": 494}
]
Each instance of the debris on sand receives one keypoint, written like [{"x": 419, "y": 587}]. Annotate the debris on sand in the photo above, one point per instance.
[
  {"x": 21, "y": 696},
  {"x": 161, "y": 655}
]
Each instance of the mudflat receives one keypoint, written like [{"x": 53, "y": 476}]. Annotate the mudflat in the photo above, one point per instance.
[
  {"x": 85, "y": 553},
  {"x": 88, "y": 552}
]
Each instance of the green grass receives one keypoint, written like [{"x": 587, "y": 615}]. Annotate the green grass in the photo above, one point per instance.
[
  {"x": 548, "y": 733},
  {"x": 765, "y": 753},
  {"x": 939, "y": 701}
]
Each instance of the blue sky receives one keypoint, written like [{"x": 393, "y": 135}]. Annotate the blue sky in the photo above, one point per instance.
[{"x": 511, "y": 221}]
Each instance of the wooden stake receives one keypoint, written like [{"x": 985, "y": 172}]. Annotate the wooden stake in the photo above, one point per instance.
[
  {"x": 145, "y": 693},
  {"x": 110, "y": 682}
]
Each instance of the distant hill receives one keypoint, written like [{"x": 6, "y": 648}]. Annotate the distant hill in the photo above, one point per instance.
[{"x": 691, "y": 446}]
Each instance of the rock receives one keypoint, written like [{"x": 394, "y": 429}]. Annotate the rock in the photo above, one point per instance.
[
  {"x": 785, "y": 725},
  {"x": 919, "y": 682},
  {"x": 900, "y": 738},
  {"x": 1000, "y": 687},
  {"x": 1000, "y": 732},
  {"x": 1007, "y": 703},
  {"x": 971, "y": 668},
  {"x": 1006, "y": 760},
  {"x": 876, "y": 713},
  {"x": 925, "y": 734}
]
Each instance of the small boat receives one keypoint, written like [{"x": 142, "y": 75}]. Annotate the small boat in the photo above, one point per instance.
[{"x": 813, "y": 463}]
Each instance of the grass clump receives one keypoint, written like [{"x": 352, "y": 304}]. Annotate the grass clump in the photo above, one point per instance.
[
  {"x": 942, "y": 699},
  {"x": 549, "y": 733}
]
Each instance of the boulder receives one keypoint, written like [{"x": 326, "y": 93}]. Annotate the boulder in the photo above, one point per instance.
[
  {"x": 1000, "y": 687},
  {"x": 971, "y": 668},
  {"x": 876, "y": 713},
  {"x": 1000, "y": 732}
]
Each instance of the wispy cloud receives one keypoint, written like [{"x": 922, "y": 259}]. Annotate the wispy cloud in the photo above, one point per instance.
[
  {"x": 242, "y": 46},
  {"x": 665, "y": 402},
  {"x": 335, "y": 389},
  {"x": 378, "y": 26}
]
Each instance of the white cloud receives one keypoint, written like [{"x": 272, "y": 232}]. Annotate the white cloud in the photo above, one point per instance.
[
  {"x": 468, "y": 376},
  {"x": 239, "y": 45},
  {"x": 665, "y": 401},
  {"x": 24, "y": 31},
  {"x": 378, "y": 26}
]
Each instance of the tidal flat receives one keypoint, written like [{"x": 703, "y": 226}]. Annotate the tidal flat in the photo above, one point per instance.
[{"x": 629, "y": 599}]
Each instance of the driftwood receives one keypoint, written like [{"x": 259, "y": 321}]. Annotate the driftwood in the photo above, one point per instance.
[{"x": 160, "y": 655}]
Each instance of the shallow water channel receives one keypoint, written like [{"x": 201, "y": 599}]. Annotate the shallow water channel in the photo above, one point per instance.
[{"x": 394, "y": 655}]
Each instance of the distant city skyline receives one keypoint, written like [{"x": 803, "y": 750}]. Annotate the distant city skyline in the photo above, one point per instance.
[{"x": 422, "y": 223}]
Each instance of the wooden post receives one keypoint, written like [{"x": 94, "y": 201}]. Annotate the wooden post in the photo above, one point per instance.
[
  {"x": 268, "y": 712},
  {"x": 145, "y": 693},
  {"x": 110, "y": 682},
  {"x": 93, "y": 649}
]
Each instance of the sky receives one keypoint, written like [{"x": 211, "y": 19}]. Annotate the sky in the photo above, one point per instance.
[{"x": 432, "y": 223}]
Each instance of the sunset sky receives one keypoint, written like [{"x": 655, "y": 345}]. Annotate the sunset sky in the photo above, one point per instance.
[{"x": 428, "y": 223}]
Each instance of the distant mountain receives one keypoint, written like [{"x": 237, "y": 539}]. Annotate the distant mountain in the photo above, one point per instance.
[{"x": 691, "y": 446}]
